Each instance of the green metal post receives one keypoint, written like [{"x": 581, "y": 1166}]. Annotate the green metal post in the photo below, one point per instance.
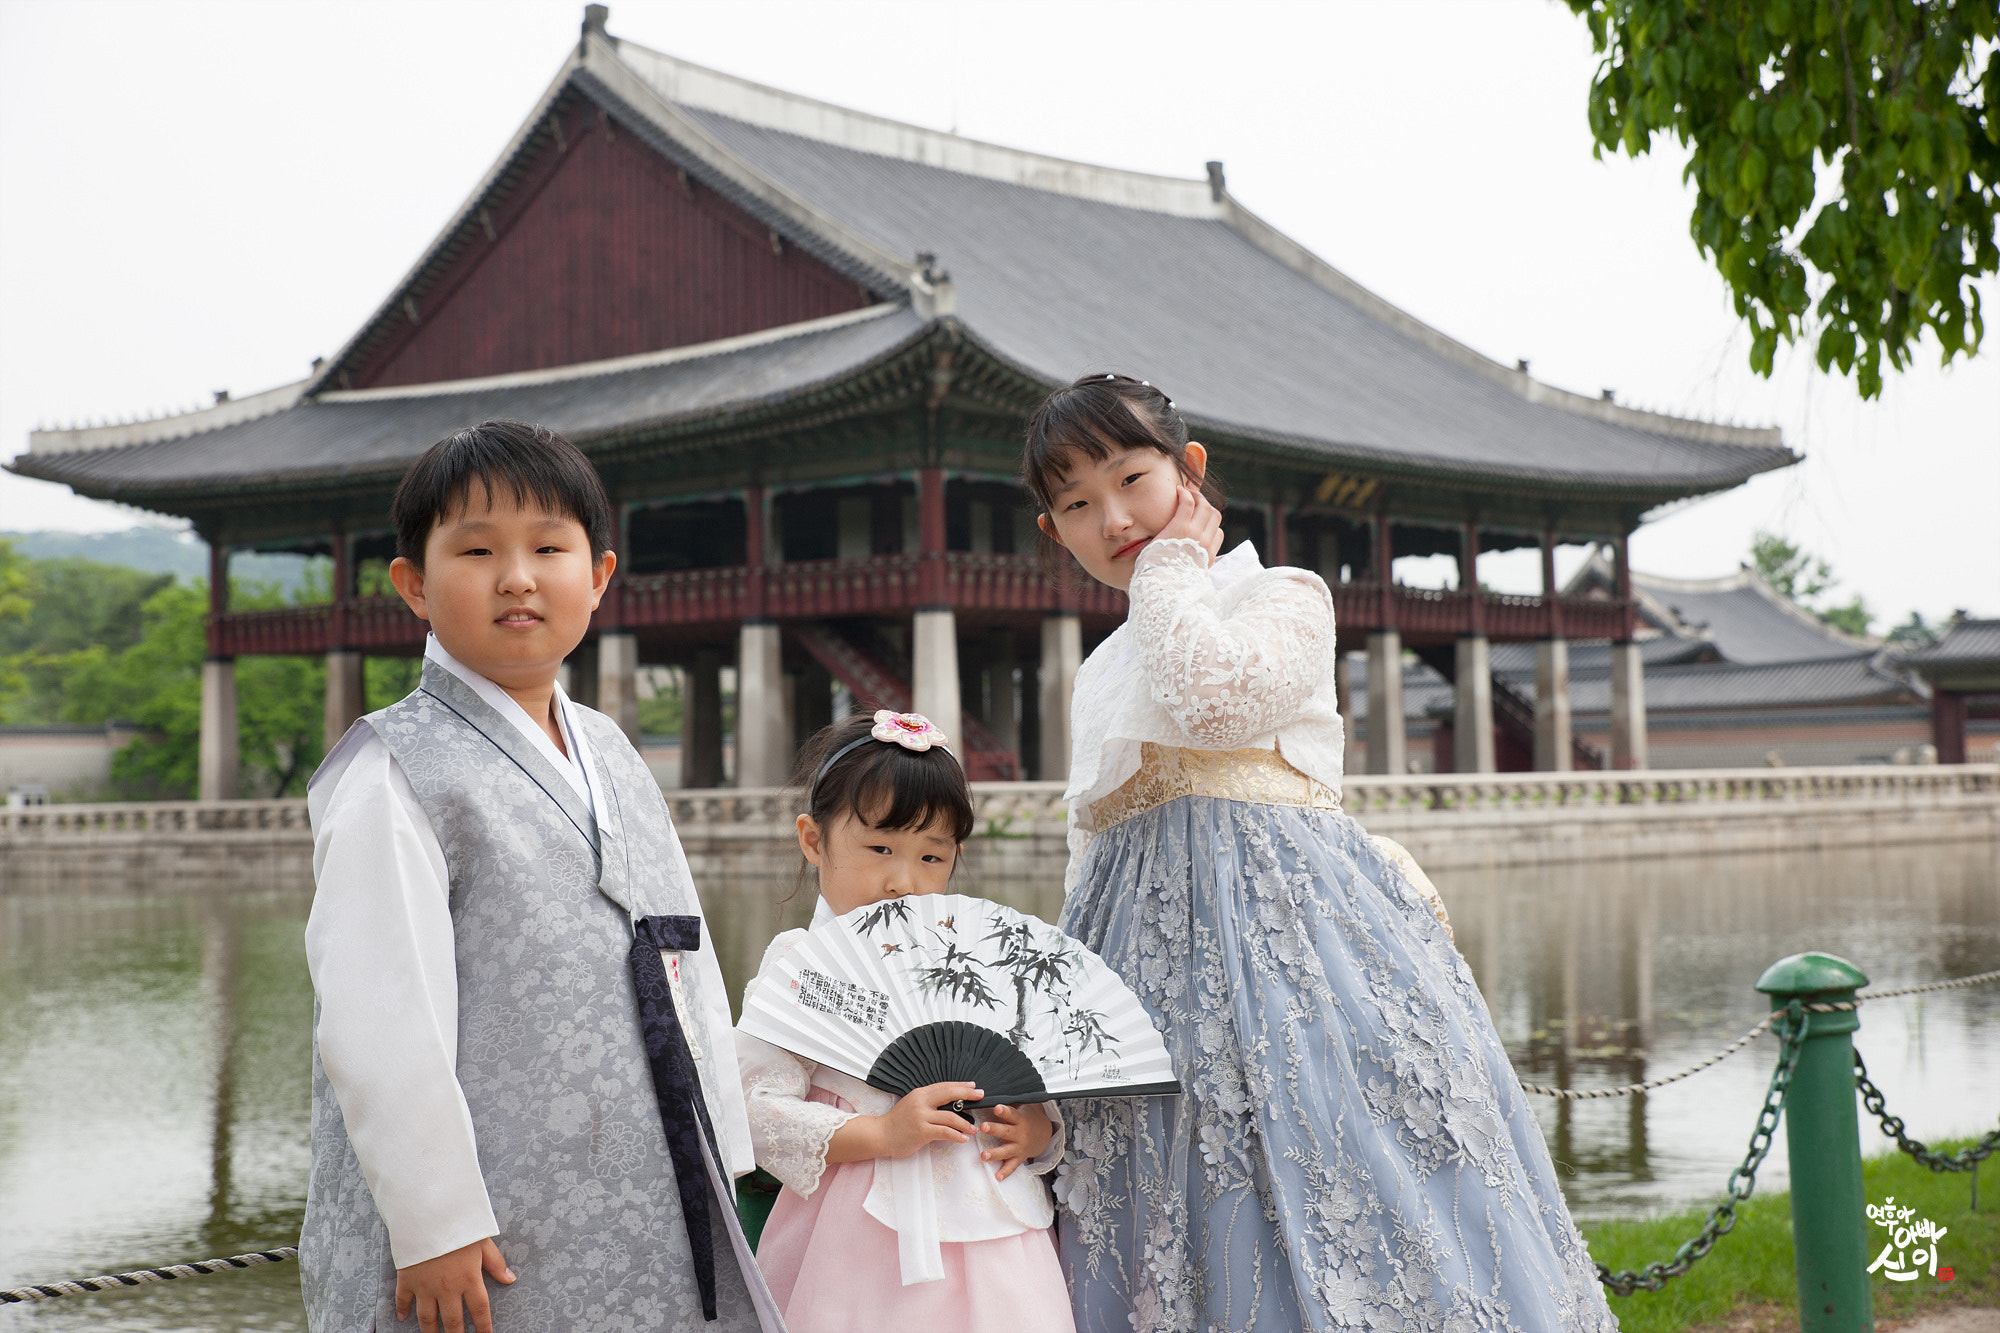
[{"x": 1823, "y": 1139}]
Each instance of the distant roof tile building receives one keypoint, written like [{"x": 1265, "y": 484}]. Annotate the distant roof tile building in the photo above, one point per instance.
[{"x": 799, "y": 341}]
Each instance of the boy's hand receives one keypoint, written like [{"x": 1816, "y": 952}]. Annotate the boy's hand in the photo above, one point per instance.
[
  {"x": 919, "y": 1118},
  {"x": 1023, "y": 1131},
  {"x": 439, "y": 1287}
]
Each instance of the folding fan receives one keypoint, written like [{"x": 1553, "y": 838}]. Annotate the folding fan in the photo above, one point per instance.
[{"x": 944, "y": 987}]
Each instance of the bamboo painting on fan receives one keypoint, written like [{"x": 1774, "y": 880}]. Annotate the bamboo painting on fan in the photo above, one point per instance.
[
  {"x": 1350, "y": 1148},
  {"x": 904, "y": 1058}
]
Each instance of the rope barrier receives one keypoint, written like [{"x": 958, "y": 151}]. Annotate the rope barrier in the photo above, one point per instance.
[
  {"x": 1828, "y": 1007},
  {"x": 139, "y": 1278}
]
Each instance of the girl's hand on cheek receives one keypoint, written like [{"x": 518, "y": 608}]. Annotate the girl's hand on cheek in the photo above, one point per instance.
[{"x": 1196, "y": 519}]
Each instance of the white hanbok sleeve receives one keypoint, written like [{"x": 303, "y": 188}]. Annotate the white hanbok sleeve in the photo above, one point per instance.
[
  {"x": 380, "y": 949},
  {"x": 789, "y": 1134},
  {"x": 1226, "y": 682}
]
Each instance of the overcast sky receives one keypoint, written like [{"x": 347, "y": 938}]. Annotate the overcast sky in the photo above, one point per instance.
[{"x": 202, "y": 196}]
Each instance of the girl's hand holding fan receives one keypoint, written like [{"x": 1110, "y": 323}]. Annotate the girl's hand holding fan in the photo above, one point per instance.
[{"x": 918, "y": 1118}]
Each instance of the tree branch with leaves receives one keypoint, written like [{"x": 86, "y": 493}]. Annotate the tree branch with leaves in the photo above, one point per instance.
[{"x": 1845, "y": 156}]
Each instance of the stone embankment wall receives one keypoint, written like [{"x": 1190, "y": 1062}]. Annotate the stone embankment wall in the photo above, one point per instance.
[{"x": 1448, "y": 822}]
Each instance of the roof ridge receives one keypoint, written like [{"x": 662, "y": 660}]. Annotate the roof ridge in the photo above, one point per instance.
[{"x": 685, "y": 83}]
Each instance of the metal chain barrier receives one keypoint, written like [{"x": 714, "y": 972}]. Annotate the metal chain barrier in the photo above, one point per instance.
[
  {"x": 78, "y": 1286},
  {"x": 1626, "y": 1090},
  {"x": 1742, "y": 1181},
  {"x": 1966, "y": 1159},
  {"x": 1652, "y": 1277}
]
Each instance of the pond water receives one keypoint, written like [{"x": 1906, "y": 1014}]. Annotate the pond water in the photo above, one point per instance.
[{"x": 154, "y": 1046}]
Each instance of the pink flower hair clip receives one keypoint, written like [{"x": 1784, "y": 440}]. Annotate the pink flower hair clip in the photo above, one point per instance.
[{"x": 912, "y": 731}]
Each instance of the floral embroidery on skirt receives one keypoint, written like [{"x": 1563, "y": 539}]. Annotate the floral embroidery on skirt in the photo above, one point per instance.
[{"x": 1351, "y": 1150}]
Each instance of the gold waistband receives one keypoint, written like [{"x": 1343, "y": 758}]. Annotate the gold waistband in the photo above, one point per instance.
[{"x": 1168, "y": 772}]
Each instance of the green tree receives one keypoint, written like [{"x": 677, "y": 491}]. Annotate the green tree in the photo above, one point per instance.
[
  {"x": 1805, "y": 579},
  {"x": 156, "y": 682},
  {"x": 1845, "y": 156}
]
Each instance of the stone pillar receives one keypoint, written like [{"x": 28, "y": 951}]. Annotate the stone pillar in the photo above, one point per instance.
[
  {"x": 618, "y": 680},
  {"x": 1004, "y": 713},
  {"x": 1062, "y": 654},
  {"x": 1387, "y": 752},
  {"x": 344, "y": 697},
  {"x": 763, "y": 730},
  {"x": 218, "y": 761},
  {"x": 934, "y": 668},
  {"x": 1628, "y": 707},
  {"x": 701, "y": 721},
  {"x": 1472, "y": 707},
  {"x": 1554, "y": 745}
]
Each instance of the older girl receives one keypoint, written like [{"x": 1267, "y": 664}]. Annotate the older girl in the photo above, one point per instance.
[{"x": 1352, "y": 1149}]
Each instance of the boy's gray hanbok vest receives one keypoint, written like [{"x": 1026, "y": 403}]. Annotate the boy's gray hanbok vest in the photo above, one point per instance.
[{"x": 550, "y": 1053}]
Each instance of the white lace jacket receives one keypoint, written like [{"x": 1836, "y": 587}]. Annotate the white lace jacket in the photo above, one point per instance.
[
  {"x": 1228, "y": 657},
  {"x": 790, "y": 1136}
]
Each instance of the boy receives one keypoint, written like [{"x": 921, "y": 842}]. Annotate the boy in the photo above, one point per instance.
[{"x": 521, "y": 1037}]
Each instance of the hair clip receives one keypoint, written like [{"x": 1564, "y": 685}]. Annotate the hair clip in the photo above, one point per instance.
[{"x": 912, "y": 731}]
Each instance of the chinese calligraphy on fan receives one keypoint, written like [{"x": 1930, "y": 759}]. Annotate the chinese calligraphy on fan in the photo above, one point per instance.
[{"x": 1911, "y": 1246}]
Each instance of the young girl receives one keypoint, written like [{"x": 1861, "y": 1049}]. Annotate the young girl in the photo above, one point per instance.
[
  {"x": 1352, "y": 1148},
  {"x": 887, "y": 813}
]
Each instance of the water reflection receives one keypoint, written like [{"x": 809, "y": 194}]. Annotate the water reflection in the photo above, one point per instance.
[{"x": 154, "y": 1046}]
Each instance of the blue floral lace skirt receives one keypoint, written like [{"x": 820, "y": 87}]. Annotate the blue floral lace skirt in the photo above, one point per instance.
[{"x": 1351, "y": 1149}]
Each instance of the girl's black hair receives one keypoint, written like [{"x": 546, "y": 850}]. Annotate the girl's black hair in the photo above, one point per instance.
[
  {"x": 533, "y": 463},
  {"x": 1098, "y": 417},
  {"x": 881, "y": 784}
]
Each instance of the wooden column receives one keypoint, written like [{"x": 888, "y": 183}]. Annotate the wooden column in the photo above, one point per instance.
[
  {"x": 1551, "y": 596},
  {"x": 1385, "y": 574},
  {"x": 1280, "y": 551},
  {"x": 1555, "y": 741},
  {"x": 1948, "y": 725},
  {"x": 931, "y": 581},
  {"x": 756, "y": 508},
  {"x": 1468, "y": 575}
]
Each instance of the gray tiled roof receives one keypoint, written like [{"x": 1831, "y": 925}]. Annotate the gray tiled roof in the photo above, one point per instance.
[
  {"x": 1966, "y": 641},
  {"x": 365, "y": 432},
  {"x": 1861, "y": 677},
  {"x": 1063, "y": 285},
  {"x": 1748, "y": 622}
]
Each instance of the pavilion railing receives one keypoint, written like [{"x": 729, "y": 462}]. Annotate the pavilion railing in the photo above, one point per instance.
[{"x": 891, "y": 585}]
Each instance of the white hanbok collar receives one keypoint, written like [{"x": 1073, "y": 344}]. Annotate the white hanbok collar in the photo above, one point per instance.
[{"x": 574, "y": 766}]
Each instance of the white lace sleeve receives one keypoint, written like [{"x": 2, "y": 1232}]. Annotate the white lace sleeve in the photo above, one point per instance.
[
  {"x": 1079, "y": 842},
  {"x": 788, "y": 1133},
  {"x": 1050, "y": 1157},
  {"x": 1226, "y": 682}
]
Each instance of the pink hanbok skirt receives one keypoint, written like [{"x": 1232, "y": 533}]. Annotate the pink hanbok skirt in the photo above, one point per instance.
[{"x": 834, "y": 1269}]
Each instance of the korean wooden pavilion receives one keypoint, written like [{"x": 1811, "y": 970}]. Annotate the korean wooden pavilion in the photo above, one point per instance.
[{"x": 799, "y": 342}]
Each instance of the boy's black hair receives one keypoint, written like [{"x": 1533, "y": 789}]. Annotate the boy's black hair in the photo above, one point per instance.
[
  {"x": 533, "y": 462},
  {"x": 881, "y": 784}
]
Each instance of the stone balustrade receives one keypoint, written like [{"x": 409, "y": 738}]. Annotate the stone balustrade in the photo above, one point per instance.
[{"x": 1448, "y": 820}]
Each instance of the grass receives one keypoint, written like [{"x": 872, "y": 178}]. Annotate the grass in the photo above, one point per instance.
[{"x": 1747, "y": 1281}]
